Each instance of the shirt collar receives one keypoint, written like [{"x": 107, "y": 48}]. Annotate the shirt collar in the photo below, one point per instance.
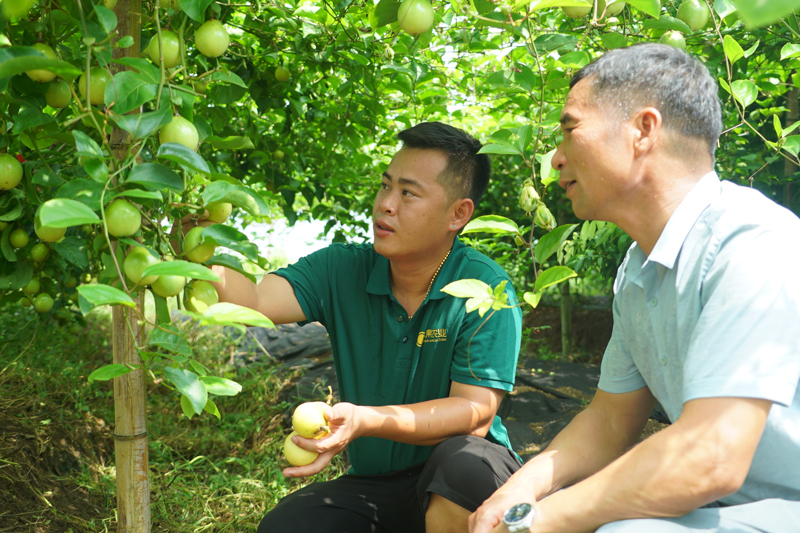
[
  {"x": 683, "y": 219},
  {"x": 380, "y": 282}
]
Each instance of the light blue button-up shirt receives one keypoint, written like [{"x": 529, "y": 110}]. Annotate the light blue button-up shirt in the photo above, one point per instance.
[{"x": 714, "y": 311}]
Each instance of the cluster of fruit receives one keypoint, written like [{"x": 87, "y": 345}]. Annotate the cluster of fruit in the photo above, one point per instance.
[{"x": 308, "y": 421}]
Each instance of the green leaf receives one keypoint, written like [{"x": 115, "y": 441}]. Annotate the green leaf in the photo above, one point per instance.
[
  {"x": 125, "y": 42},
  {"x": 196, "y": 11},
  {"x": 171, "y": 339},
  {"x": 86, "y": 146},
  {"x": 48, "y": 178},
  {"x": 22, "y": 273},
  {"x": 238, "y": 195},
  {"x": 231, "y": 143},
  {"x": 776, "y": 123},
  {"x": 506, "y": 149},
  {"x": 142, "y": 66},
  {"x": 790, "y": 50},
  {"x": 211, "y": 408},
  {"x": 73, "y": 249},
  {"x": 546, "y": 4},
  {"x": 138, "y": 193},
  {"x": 792, "y": 145},
  {"x": 228, "y": 314},
  {"x": 468, "y": 288},
  {"x": 18, "y": 59},
  {"x": 233, "y": 263},
  {"x": 100, "y": 294},
  {"x": 491, "y": 224},
  {"x": 232, "y": 238},
  {"x": 551, "y": 242},
  {"x": 189, "y": 385},
  {"x": 63, "y": 213},
  {"x": 651, "y": 7},
  {"x": 614, "y": 40},
  {"x": 85, "y": 191},
  {"x": 532, "y": 298},
  {"x": 104, "y": 373},
  {"x": 181, "y": 268},
  {"x": 183, "y": 156},
  {"x": 386, "y": 12},
  {"x": 97, "y": 170},
  {"x": 745, "y": 91},
  {"x": 128, "y": 90},
  {"x": 724, "y": 8},
  {"x": 732, "y": 49},
  {"x": 186, "y": 407},
  {"x": 547, "y": 174},
  {"x": 750, "y": 51},
  {"x": 221, "y": 386},
  {"x": 228, "y": 78},
  {"x": 141, "y": 125},
  {"x": 665, "y": 22},
  {"x": 552, "y": 276},
  {"x": 763, "y": 12},
  {"x": 155, "y": 177},
  {"x": 106, "y": 18}
]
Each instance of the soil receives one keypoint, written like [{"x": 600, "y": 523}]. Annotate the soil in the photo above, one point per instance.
[{"x": 591, "y": 331}]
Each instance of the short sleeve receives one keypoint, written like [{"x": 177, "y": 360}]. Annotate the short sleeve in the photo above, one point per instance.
[
  {"x": 486, "y": 350},
  {"x": 310, "y": 279},
  {"x": 746, "y": 342},
  {"x": 618, "y": 372}
]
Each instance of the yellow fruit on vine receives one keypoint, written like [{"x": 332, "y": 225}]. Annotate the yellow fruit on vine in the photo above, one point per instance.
[
  {"x": 673, "y": 38},
  {"x": 195, "y": 250},
  {"x": 171, "y": 48},
  {"x": 211, "y": 39},
  {"x": 415, "y": 16},
  {"x": 42, "y": 75},
  {"x": 219, "y": 211},
  {"x": 295, "y": 455},
  {"x": 180, "y": 131},
  {"x": 200, "y": 293},
  {"x": 122, "y": 218},
  {"x": 137, "y": 260},
  {"x": 694, "y": 13},
  {"x": 47, "y": 233},
  {"x": 576, "y": 12},
  {"x": 58, "y": 94},
  {"x": 95, "y": 86},
  {"x": 309, "y": 420},
  {"x": 167, "y": 286}
]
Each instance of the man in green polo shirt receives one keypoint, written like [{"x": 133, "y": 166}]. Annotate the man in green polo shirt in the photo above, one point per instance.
[{"x": 419, "y": 378}]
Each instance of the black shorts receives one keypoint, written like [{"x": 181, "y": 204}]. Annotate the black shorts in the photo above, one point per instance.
[{"x": 465, "y": 470}]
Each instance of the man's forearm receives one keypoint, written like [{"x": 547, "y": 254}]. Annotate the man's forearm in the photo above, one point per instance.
[{"x": 235, "y": 288}]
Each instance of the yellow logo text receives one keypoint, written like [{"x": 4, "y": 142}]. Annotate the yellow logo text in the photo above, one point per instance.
[{"x": 431, "y": 335}]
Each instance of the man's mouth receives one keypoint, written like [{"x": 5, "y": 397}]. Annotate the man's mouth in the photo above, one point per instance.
[
  {"x": 567, "y": 184},
  {"x": 383, "y": 228}
]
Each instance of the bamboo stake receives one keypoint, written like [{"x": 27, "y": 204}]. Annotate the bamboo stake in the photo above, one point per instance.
[{"x": 130, "y": 406}]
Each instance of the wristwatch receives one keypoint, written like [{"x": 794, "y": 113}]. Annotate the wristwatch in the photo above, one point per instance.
[{"x": 519, "y": 517}]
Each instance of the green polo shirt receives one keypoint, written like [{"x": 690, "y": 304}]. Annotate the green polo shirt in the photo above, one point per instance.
[{"x": 384, "y": 358}]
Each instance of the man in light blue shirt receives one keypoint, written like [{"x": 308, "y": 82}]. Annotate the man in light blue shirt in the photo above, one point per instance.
[{"x": 706, "y": 321}]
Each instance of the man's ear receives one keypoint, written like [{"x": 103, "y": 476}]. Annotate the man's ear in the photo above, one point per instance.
[
  {"x": 647, "y": 130},
  {"x": 462, "y": 212}
]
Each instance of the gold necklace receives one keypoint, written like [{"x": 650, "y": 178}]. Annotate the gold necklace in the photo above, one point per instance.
[{"x": 430, "y": 285}]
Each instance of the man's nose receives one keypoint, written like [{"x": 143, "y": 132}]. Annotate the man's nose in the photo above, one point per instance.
[{"x": 559, "y": 160}]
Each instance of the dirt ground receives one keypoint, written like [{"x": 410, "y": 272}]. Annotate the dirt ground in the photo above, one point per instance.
[{"x": 591, "y": 331}]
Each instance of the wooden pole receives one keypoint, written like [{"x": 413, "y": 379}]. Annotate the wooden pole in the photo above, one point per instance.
[{"x": 130, "y": 406}]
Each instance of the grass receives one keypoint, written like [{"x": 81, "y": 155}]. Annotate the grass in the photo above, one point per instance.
[{"x": 206, "y": 475}]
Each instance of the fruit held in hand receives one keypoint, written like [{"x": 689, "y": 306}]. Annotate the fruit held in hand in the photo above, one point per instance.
[
  {"x": 10, "y": 172},
  {"x": 42, "y": 75},
  {"x": 211, "y": 39},
  {"x": 202, "y": 293},
  {"x": 194, "y": 250},
  {"x": 96, "y": 87},
  {"x": 122, "y": 218},
  {"x": 309, "y": 420},
  {"x": 694, "y": 13},
  {"x": 295, "y": 455},
  {"x": 415, "y": 16},
  {"x": 180, "y": 131},
  {"x": 136, "y": 261},
  {"x": 219, "y": 211},
  {"x": 171, "y": 46}
]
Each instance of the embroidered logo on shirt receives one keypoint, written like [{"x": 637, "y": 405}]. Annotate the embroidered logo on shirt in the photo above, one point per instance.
[{"x": 431, "y": 335}]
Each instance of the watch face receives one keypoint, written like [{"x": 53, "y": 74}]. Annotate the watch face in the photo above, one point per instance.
[{"x": 517, "y": 513}]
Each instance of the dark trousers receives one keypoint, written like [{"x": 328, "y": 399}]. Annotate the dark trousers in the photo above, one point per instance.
[{"x": 465, "y": 470}]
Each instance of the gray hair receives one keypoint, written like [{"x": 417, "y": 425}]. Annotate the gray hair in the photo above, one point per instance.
[{"x": 661, "y": 76}]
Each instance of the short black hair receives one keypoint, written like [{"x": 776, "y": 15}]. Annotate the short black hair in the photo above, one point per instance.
[
  {"x": 662, "y": 76},
  {"x": 467, "y": 172}
]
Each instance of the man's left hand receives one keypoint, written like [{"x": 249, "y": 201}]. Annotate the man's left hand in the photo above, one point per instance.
[{"x": 342, "y": 424}]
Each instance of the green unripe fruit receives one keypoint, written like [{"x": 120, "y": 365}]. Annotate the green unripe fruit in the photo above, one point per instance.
[
  {"x": 47, "y": 233},
  {"x": 137, "y": 260},
  {"x": 694, "y": 13},
  {"x": 43, "y": 303},
  {"x": 195, "y": 250},
  {"x": 200, "y": 294},
  {"x": 180, "y": 131},
  {"x": 58, "y": 94},
  {"x": 15, "y": 9},
  {"x": 10, "y": 172},
  {"x": 171, "y": 48},
  {"x": 25, "y": 302},
  {"x": 544, "y": 218},
  {"x": 95, "y": 86},
  {"x": 415, "y": 16},
  {"x": 211, "y": 39},
  {"x": 32, "y": 287},
  {"x": 528, "y": 198},
  {"x": 282, "y": 74},
  {"x": 167, "y": 286},
  {"x": 19, "y": 238},
  {"x": 278, "y": 155},
  {"x": 219, "y": 211},
  {"x": 612, "y": 10},
  {"x": 40, "y": 252},
  {"x": 122, "y": 218},
  {"x": 71, "y": 282},
  {"x": 42, "y": 75},
  {"x": 576, "y": 12},
  {"x": 673, "y": 38}
]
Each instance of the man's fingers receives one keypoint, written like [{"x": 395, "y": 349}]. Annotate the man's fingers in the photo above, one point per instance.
[{"x": 310, "y": 469}]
